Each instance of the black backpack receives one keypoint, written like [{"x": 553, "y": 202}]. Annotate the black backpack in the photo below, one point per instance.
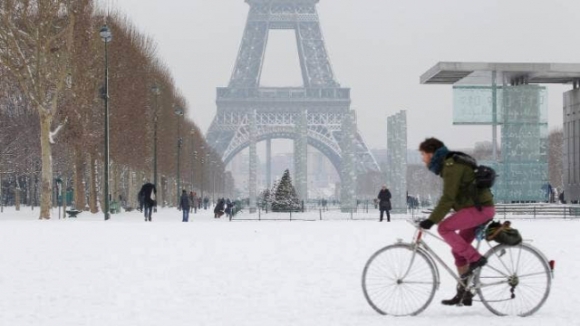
[{"x": 484, "y": 175}]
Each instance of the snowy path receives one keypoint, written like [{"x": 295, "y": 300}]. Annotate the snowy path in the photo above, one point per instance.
[{"x": 215, "y": 272}]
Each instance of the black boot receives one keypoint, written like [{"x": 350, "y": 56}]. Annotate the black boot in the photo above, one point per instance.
[
  {"x": 473, "y": 266},
  {"x": 462, "y": 298}
]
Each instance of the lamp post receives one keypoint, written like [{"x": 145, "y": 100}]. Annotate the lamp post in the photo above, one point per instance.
[
  {"x": 193, "y": 167},
  {"x": 213, "y": 172},
  {"x": 179, "y": 113},
  {"x": 203, "y": 160},
  {"x": 193, "y": 156},
  {"x": 202, "y": 167},
  {"x": 156, "y": 91},
  {"x": 107, "y": 37}
]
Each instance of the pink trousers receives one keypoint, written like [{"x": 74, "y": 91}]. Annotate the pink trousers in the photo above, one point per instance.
[{"x": 465, "y": 221}]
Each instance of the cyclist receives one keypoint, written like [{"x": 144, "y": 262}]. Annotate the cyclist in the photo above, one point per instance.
[{"x": 458, "y": 193}]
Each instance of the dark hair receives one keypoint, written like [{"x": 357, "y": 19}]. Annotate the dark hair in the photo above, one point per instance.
[{"x": 430, "y": 145}]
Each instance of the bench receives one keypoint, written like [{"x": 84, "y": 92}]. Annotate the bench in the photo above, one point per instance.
[{"x": 73, "y": 213}]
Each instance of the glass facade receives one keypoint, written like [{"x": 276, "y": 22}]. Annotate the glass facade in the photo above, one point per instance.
[
  {"x": 397, "y": 161},
  {"x": 473, "y": 105},
  {"x": 522, "y": 114}
]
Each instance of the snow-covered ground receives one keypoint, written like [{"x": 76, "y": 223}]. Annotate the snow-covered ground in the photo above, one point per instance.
[{"x": 210, "y": 271}]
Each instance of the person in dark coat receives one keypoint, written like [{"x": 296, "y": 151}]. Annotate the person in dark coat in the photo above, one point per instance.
[
  {"x": 219, "y": 208},
  {"x": 229, "y": 206},
  {"x": 184, "y": 205},
  {"x": 148, "y": 193},
  {"x": 384, "y": 198}
]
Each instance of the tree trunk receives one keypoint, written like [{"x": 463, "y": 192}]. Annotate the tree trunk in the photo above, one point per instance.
[
  {"x": 46, "y": 159},
  {"x": 115, "y": 191},
  {"x": 29, "y": 192},
  {"x": 130, "y": 191},
  {"x": 92, "y": 185},
  {"x": 79, "y": 176},
  {"x": 17, "y": 195},
  {"x": 101, "y": 200},
  {"x": 161, "y": 190}
]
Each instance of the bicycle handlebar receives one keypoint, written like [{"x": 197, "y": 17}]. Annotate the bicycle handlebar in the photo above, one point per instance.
[{"x": 415, "y": 221}]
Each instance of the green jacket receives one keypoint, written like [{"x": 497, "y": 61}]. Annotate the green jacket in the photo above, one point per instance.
[{"x": 458, "y": 189}]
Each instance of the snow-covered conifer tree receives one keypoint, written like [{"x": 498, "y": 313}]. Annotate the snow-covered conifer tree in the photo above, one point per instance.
[{"x": 285, "y": 198}]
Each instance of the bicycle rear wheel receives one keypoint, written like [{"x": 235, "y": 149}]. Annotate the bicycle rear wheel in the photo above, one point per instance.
[
  {"x": 399, "y": 281},
  {"x": 515, "y": 281}
]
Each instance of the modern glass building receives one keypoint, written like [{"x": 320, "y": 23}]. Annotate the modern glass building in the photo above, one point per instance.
[
  {"x": 509, "y": 98},
  {"x": 397, "y": 161},
  {"x": 520, "y": 113}
]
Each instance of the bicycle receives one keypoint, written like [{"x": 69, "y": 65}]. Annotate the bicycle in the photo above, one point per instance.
[{"x": 401, "y": 279}]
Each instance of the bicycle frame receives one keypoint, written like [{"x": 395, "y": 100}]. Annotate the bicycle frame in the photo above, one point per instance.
[
  {"x": 411, "y": 267},
  {"x": 419, "y": 243}
]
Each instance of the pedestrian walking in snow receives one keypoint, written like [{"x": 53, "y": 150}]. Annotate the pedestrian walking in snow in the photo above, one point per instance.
[
  {"x": 219, "y": 208},
  {"x": 148, "y": 192},
  {"x": 184, "y": 205},
  {"x": 384, "y": 198}
]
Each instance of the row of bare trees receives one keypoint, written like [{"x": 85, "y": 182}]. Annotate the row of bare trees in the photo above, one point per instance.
[{"x": 52, "y": 69}]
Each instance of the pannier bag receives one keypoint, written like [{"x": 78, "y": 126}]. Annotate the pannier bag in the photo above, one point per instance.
[{"x": 503, "y": 233}]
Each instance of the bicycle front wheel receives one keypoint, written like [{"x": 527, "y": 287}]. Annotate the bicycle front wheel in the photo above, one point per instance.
[
  {"x": 400, "y": 281},
  {"x": 515, "y": 281}
]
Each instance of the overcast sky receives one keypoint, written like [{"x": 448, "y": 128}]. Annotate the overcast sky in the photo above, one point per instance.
[{"x": 378, "y": 48}]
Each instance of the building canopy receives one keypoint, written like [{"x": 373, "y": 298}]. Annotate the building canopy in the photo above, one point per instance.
[
  {"x": 503, "y": 94},
  {"x": 474, "y": 73}
]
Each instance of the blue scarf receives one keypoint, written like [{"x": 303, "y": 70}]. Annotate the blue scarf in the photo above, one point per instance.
[{"x": 436, "y": 163}]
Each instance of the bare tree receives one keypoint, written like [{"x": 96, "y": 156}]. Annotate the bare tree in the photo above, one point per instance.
[
  {"x": 422, "y": 183},
  {"x": 52, "y": 52},
  {"x": 35, "y": 41},
  {"x": 483, "y": 151},
  {"x": 79, "y": 105},
  {"x": 19, "y": 152}
]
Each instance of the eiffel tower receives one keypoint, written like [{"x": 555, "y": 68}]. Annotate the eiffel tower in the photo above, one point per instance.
[{"x": 317, "y": 114}]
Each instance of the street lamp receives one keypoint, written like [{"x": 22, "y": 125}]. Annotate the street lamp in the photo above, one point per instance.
[
  {"x": 213, "y": 168},
  {"x": 193, "y": 156},
  {"x": 179, "y": 113},
  {"x": 203, "y": 160},
  {"x": 156, "y": 91},
  {"x": 107, "y": 37},
  {"x": 194, "y": 164}
]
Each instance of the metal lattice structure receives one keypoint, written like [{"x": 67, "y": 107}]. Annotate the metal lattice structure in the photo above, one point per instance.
[{"x": 311, "y": 115}]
